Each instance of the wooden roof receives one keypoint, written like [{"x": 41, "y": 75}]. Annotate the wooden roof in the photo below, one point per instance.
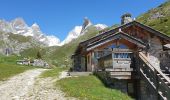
[
  {"x": 115, "y": 36},
  {"x": 113, "y": 32}
]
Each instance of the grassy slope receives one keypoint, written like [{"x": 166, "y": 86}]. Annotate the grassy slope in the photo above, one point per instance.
[
  {"x": 91, "y": 88},
  {"x": 31, "y": 52},
  {"x": 9, "y": 68},
  {"x": 53, "y": 72},
  {"x": 163, "y": 23},
  {"x": 19, "y": 38},
  {"x": 61, "y": 56}
]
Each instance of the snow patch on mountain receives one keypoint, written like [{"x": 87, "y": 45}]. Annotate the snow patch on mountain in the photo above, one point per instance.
[
  {"x": 73, "y": 34},
  {"x": 53, "y": 41},
  {"x": 100, "y": 26},
  {"x": 80, "y": 30}
]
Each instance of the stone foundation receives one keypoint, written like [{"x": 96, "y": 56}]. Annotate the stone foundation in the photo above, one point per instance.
[
  {"x": 146, "y": 92},
  {"x": 165, "y": 61}
]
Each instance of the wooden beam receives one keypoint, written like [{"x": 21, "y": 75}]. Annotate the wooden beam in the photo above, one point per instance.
[{"x": 114, "y": 37}]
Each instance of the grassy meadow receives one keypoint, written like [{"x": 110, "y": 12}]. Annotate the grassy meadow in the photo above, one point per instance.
[
  {"x": 8, "y": 67},
  {"x": 53, "y": 72},
  {"x": 89, "y": 88}
]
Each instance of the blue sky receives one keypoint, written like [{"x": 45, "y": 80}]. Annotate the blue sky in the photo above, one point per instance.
[{"x": 58, "y": 17}]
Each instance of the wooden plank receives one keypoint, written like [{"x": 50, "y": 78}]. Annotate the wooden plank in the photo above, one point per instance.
[
  {"x": 145, "y": 59},
  {"x": 120, "y": 73},
  {"x": 113, "y": 37},
  {"x": 121, "y": 77},
  {"x": 158, "y": 80},
  {"x": 120, "y": 69}
]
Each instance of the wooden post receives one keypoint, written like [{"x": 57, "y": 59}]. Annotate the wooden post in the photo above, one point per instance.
[
  {"x": 92, "y": 61},
  {"x": 112, "y": 59},
  {"x": 86, "y": 63},
  {"x": 156, "y": 84}
]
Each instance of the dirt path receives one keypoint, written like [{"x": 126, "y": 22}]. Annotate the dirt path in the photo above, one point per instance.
[{"x": 28, "y": 86}]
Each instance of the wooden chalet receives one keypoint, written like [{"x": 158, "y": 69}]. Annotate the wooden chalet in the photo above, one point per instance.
[{"x": 134, "y": 54}]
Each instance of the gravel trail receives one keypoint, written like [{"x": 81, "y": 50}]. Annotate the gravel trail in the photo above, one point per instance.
[{"x": 28, "y": 86}]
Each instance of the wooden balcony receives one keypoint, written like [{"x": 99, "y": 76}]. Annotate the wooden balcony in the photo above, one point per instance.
[
  {"x": 116, "y": 63},
  {"x": 120, "y": 72}
]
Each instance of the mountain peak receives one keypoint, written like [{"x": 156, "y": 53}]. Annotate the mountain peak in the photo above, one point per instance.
[
  {"x": 35, "y": 27},
  {"x": 86, "y": 23},
  {"x": 19, "y": 19},
  {"x": 80, "y": 30},
  {"x": 19, "y": 22}
]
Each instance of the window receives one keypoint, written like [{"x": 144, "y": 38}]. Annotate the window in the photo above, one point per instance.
[{"x": 121, "y": 55}]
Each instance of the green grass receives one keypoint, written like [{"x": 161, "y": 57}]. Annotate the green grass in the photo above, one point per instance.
[
  {"x": 8, "y": 70},
  {"x": 9, "y": 59},
  {"x": 161, "y": 24},
  {"x": 53, "y": 72},
  {"x": 89, "y": 88},
  {"x": 62, "y": 54},
  {"x": 31, "y": 52},
  {"x": 19, "y": 38}
]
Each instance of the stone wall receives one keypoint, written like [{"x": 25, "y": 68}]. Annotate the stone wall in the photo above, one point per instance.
[
  {"x": 40, "y": 63},
  {"x": 165, "y": 60},
  {"x": 146, "y": 91},
  {"x": 154, "y": 51},
  {"x": 112, "y": 83}
]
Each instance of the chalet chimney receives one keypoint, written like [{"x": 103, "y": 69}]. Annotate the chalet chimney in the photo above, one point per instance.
[{"x": 126, "y": 18}]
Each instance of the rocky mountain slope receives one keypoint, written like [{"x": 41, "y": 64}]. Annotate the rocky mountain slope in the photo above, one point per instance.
[
  {"x": 18, "y": 26},
  {"x": 81, "y": 30},
  {"x": 18, "y": 36},
  {"x": 13, "y": 43},
  {"x": 158, "y": 18}
]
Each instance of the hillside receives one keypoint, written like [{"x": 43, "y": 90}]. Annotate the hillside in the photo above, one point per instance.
[
  {"x": 61, "y": 55},
  {"x": 15, "y": 43},
  {"x": 158, "y": 18},
  {"x": 20, "y": 27}
]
